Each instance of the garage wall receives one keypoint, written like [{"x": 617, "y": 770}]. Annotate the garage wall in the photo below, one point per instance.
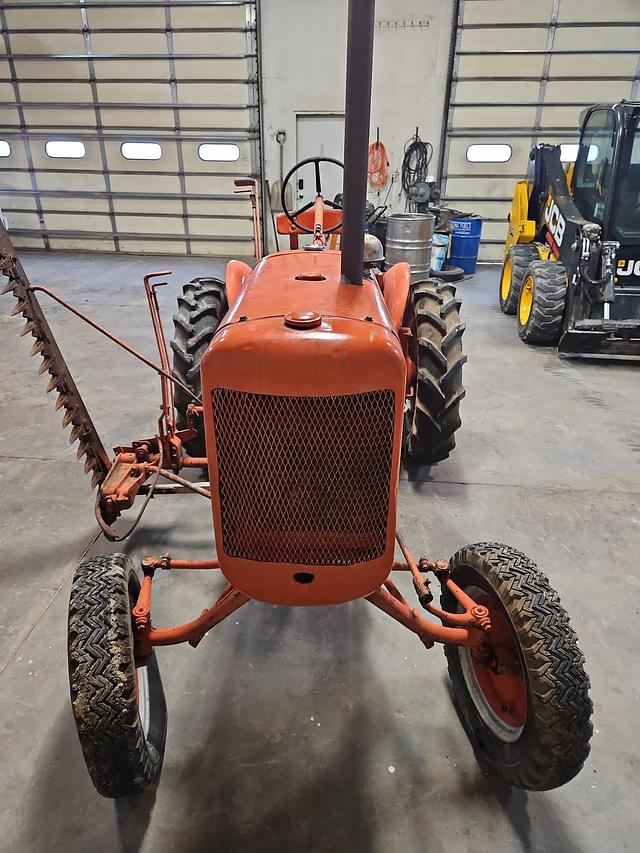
[
  {"x": 523, "y": 72},
  {"x": 303, "y": 71},
  {"x": 100, "y": 73}
]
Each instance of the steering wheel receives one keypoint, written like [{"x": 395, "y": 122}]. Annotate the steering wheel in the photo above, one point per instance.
[{"x": 293, "y": 217}]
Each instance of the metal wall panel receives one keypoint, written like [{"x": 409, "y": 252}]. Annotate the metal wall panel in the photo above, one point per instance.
[
  {"x": 498, "y": 12},
  {"x": 521, "y": 73},
  {"x": 104, "y": 72}
]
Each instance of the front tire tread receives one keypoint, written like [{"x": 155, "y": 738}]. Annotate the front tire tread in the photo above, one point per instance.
[{"x": 555, "y": 743}]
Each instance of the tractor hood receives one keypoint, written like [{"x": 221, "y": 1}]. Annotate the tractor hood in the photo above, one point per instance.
[
  {"x": 302, "y": 281},
  {"x": 303, "y": 394}
]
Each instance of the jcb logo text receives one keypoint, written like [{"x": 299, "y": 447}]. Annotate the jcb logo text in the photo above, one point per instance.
[
  {"x": 628, "y": 267},
  {"x": 555, "y": 221}
]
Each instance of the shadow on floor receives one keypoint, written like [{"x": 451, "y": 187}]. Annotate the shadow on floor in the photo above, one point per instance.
[
  {"x": 488, "y": 789},
  {"x": 248, "y": 768}
]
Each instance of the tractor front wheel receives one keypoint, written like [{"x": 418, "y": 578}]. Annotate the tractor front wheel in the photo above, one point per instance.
[
  {"x": 523, "y": 694},
  {"x": 119, "y": 709}
]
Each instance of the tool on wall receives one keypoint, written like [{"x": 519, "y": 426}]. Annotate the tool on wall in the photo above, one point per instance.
[
  {"x": 274, "y": 190},
  {"x": 378, "y": 165},
  {"x": 415, "y": 169},
  {"x": 268, "y": 191},
  {"x": 276, "y": 187}
]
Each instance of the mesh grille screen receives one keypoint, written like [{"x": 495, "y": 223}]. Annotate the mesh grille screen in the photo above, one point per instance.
[{"x": 304, "y": 480}]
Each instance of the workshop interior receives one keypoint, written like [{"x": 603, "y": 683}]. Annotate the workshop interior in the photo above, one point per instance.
[{"x": 338, "y": 307}]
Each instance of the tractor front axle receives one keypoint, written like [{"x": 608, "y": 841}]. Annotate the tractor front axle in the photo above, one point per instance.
[{"x": 467, "y": 628}]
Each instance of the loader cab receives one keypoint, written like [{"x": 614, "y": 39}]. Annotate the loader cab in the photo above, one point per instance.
[{"x": 606, "y": 176}]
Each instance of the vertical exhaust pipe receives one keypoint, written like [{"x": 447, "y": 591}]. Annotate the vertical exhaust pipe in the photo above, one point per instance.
[{"x": 356, "y": 137}]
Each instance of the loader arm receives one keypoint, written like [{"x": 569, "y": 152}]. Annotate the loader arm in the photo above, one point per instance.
[
  {"x": 558, "y": 221},
  {"x": 544, "y": 196}
]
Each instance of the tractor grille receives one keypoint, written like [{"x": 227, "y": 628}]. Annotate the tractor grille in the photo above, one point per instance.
[{"x": 304, "y": 480}]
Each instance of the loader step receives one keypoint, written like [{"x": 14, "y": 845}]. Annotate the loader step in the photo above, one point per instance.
[
  {"x": 619, "y": 342},
  {"x": 597, "y": 325}
]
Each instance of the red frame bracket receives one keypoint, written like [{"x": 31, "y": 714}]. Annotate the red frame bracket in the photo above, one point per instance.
[
  {"x": 390, "y": 600},
  {"x": 466, "y": 628}
]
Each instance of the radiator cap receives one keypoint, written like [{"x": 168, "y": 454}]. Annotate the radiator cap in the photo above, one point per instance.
[{"x": 302, "y": 320}]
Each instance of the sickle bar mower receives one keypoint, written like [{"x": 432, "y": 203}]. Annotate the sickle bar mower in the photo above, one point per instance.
[
  {"x": 75, "y": 414},
  {"x": 299, "y": 385}
]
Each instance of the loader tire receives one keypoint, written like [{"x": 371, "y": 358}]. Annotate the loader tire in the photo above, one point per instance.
[
  {"x": 524, "y": 701},
  {"x": 512, "y": 275},
  {"x": 541, "y": 303},
  {"x": 201, "y": 307},
  {"x": 434, "y": 415},
  {"x": 120, "y": 711}
]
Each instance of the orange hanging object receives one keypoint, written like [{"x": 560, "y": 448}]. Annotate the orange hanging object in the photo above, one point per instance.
[{"x": 378, "y": 165}]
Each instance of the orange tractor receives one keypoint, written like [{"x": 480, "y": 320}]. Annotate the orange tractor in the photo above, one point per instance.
[{"x": 298, "y": 385}]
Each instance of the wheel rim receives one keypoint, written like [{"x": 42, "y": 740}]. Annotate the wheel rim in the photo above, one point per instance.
[
  {"x": 526, "y": 301},
  {"x": 494, "y": 676},
  {"x": 144, "y": 698},
  {"x": 505, "y": 281},
  {"x": 141, "y": 674}
]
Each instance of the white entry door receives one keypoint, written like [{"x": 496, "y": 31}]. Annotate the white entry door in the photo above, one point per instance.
[{"x": 319, "y": 136}]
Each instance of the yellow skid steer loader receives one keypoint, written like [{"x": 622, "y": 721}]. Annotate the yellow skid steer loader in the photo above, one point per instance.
[{"x": 571, "y": 271}]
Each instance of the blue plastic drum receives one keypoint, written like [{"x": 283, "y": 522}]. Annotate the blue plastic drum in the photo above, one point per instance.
[{"x": 465, "y": 243}]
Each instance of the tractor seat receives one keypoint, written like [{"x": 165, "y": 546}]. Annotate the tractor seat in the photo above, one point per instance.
[{"x": 331, "y": 218}]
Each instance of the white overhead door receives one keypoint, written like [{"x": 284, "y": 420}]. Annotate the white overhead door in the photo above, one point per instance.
[
  {"x": 124, "y": 124},
  {"x": 522, "y": 73}
]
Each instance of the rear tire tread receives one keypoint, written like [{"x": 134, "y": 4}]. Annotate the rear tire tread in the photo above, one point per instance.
[
  {"x": 201, "y": 307},
  {"x": 439, "y": 388}
]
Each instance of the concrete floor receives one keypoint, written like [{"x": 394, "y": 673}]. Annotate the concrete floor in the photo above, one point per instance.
[{"x": 329, "y": 729}]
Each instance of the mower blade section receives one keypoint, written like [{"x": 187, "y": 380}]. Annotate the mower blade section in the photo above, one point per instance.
[{"x": 61, "y": 380}]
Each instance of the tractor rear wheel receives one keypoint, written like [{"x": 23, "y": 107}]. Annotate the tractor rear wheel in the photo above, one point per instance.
[
  {"x": 434, "y": 413},
  {"x": 523, "y": 695},
  {"x": 119, "y": 709},
  {"x": 541, "y": 303},
  {"x": 201, "y": 307},
  {"x": 512, "y": 275}
]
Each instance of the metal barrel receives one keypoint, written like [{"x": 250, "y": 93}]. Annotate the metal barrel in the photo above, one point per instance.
[{"x": 409, "y": 238}]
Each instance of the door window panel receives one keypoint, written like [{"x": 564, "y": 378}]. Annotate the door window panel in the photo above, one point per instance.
[
  {"x": 625, "y": 219},
  {"x": 593, "y": 165}
]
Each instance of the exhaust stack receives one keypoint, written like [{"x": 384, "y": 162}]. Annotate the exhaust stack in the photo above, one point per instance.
[{"x": 356, "y": 136}]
